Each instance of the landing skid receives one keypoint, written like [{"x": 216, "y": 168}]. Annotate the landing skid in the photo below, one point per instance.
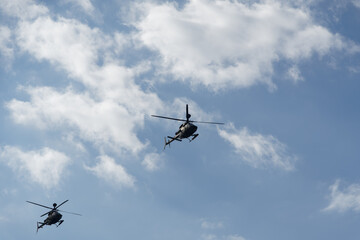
[
  {"x": 60, "y": 222},
  {"x": 177, "y": 139},
  {"x": 193, "y": 137}
]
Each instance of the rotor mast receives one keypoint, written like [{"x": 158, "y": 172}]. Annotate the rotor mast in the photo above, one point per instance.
[{"x": 187, "y": 114}]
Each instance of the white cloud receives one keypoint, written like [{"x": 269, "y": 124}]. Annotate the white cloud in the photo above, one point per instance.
[
  {"x": 77, "y": 49},
  {"x": 227, "y": 44},
  {"x": 66, "y": 43},
  {"x": 152, "y": 161},
  {"x": 344, "y": 200},
  {"x": 44, "y": 167},
  {"x": 104, "y": 123},
  {"x": 257, "y": 150},
  {"x": 113, "y": 173},
  {"x": 75, "y": 143},
  {"x": 112, "y": 106},
  {"x": 24, "y": 9}
]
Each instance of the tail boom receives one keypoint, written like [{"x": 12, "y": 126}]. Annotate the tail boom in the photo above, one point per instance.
[
  {"x": 39, "y": 225},
  {"x": 171, "y": 140}
]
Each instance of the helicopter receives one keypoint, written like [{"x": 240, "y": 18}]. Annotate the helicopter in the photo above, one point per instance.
[
  {"x": 54, "y": 217},
  {"x": 186, "y": 129}
]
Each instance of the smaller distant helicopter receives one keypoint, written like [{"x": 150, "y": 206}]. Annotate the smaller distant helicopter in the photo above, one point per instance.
[
  {"x": 186, "y": 130},
  {"x": 54, "y": 217}
]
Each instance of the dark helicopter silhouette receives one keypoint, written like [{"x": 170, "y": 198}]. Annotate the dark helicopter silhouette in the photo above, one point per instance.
[
  {"x": 186, "y": 130},
  {"x": 54, "y": 217}
]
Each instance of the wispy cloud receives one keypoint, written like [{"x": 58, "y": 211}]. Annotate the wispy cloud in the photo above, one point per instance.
[
  {"x": 210, "y": 225},
  {"x": 258, "y": 150},
  {"x": 235, "y": 237},
  {"x": 6, "y": 48},
  {"x": 113, "y": 173},
  {"x": 3, "y": 219},
  {"x": 294, "y": 74},
  {"x": 44, "y": 167},
  {"x": 222, "y": 237},
  {"x": 153, "y": 161},
  {"x": 85, "y": 5},
  {"x": 211, "y": 229},
  {"x": 356, "y": 3},
  {"x": 344, "y": 200}
]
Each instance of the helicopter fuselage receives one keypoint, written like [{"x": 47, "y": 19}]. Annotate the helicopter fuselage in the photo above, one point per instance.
[
  {"x": 186, "y": 130},
  {"x": 53, "y": 217}
]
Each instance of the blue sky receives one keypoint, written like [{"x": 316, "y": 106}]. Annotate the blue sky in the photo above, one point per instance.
[{"x": 80, "y": 78}]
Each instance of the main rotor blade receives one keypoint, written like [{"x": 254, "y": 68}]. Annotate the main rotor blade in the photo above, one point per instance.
[
  {"x": 70, "y": 212},
  {"x": 61, "y": 204},
  {"x": 176, "y": 119},
  {"x": 207, "y": 122},
  {"x": 45, "y": 213},
  {"x": 40, "y": 205}
]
